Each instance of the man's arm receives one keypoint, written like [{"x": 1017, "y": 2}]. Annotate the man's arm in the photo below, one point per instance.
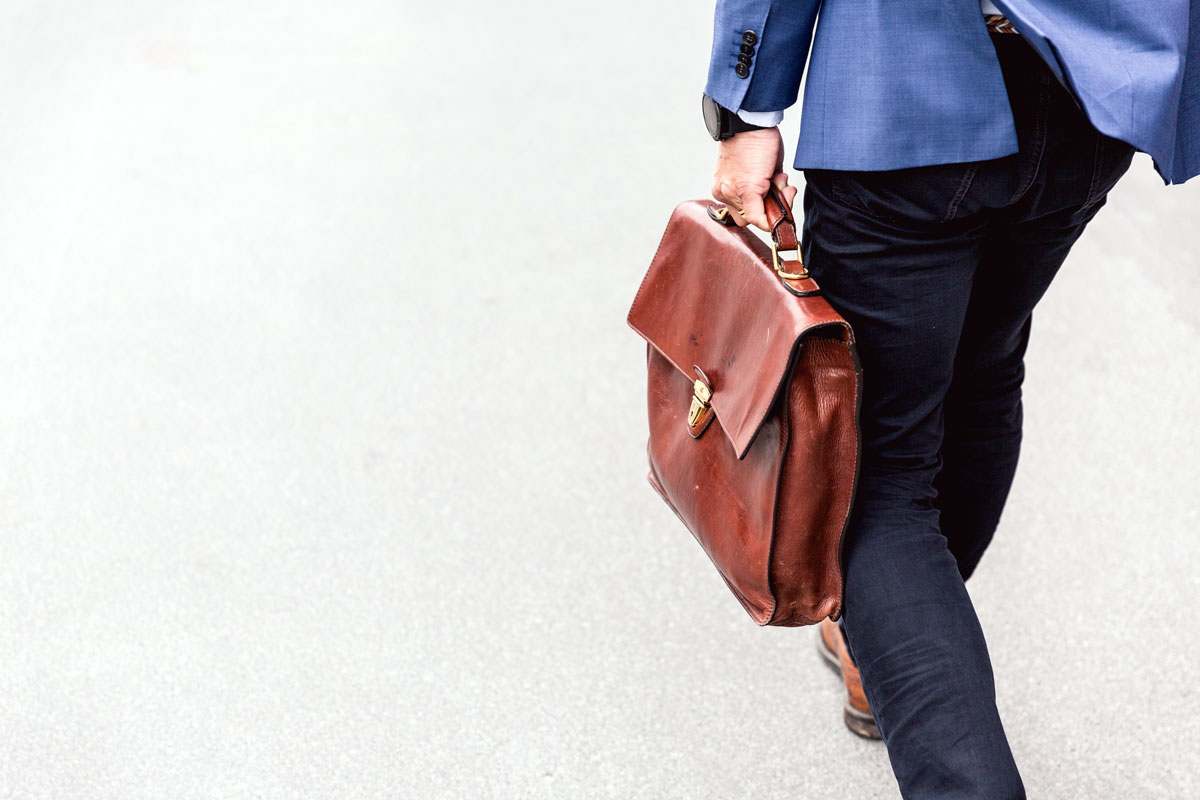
[
  {"x": 758, "y": 55},
  {"x": 759, "y": 50}
]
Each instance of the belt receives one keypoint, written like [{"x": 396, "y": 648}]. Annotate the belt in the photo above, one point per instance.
[{"x": 998, "y": 23}]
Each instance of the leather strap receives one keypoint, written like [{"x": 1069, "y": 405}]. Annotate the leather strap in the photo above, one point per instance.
[{"x": 780, "y": 219}]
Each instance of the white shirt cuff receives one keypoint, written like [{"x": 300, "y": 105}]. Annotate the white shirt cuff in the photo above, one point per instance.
[{"x": 765, "y": 119}]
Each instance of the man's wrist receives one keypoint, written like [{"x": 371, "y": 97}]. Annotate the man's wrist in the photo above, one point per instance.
[{"x": 723, "y": 123}]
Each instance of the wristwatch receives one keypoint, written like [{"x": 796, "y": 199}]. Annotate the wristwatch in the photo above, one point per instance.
[{"x": 723, "y": 123}]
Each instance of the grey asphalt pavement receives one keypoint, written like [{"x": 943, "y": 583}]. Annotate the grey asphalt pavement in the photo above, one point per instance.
[{"x": 322, "y": 438}]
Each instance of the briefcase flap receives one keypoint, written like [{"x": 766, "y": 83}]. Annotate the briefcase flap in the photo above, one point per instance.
[{"x": 712, "y": 299}]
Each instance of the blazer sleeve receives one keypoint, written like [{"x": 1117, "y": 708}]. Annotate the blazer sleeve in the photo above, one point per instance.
[{"x": 775, "y": 35}]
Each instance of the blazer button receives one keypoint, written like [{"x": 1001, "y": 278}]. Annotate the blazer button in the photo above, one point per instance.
[
  {"x": 742, "y": 71},
  {"x": 750, "y": 38},
  {"x": 744, "y": 59},
  {"x": 748, "y": 49}
]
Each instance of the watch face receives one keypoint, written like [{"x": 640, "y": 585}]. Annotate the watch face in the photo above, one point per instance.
[{"x": 712, "y": 116}]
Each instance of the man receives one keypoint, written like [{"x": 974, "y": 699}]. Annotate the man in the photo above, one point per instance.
[{"x": 953, "y": 153}]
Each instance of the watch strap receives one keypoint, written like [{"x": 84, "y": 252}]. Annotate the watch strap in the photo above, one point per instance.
[{"x": 735, "y": 124}]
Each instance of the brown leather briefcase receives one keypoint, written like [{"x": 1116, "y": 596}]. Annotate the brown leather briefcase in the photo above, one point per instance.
[{"x": 754, "y": 390}]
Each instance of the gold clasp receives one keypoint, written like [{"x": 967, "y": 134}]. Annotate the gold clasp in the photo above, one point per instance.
[
  {"x": 779, "y": 262},
  {"x": 700, "y": 413},
  {"x": 701, "y": 395}
]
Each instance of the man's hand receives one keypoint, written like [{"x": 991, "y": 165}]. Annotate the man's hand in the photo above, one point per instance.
[{"x": 747, "y": 164}]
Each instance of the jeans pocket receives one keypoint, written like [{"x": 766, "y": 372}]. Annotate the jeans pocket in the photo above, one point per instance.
[
  {"x": 913, "y": 194},
  {"x": 1112, "y": 160}
]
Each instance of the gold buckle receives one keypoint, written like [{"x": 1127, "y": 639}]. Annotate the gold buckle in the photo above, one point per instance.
[
  {"x": 791, "y": 276},
  {"x": 701, "y": 395}
]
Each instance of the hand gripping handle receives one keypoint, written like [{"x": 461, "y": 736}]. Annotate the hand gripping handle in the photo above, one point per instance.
[{"x": 783, "y": 231}]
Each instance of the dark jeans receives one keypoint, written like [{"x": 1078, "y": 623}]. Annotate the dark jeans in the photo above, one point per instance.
[{"x": 938, "y": 269}]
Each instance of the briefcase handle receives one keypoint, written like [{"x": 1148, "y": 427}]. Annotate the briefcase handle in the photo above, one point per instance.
[{"x": 783, "y": 232}]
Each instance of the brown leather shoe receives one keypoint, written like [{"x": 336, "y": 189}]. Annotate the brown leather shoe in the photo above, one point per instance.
[{"x": 832, "y": 647}]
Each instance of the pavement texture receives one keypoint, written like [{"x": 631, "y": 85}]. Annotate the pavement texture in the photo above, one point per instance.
[{"x": 322, "y": 437}]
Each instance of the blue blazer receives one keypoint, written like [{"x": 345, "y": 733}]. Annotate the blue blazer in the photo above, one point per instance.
[{"x": 905, "y": 83}]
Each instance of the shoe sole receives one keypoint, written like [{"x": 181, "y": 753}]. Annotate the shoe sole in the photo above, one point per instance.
[{"x": 859, "y": 723}]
